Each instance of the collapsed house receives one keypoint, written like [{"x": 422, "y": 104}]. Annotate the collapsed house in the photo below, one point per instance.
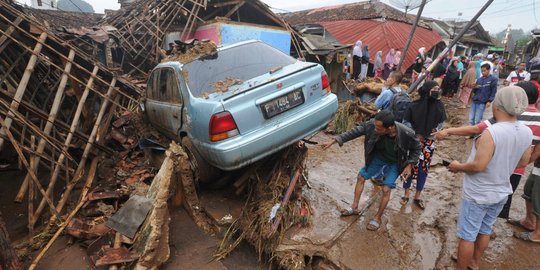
[
  {"x": 378, "y": 25},
  {"x": 476, "y": 40},
  {"x": 68, "y": 88}
]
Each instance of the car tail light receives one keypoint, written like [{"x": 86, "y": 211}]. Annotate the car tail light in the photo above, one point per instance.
[
  {"x": 325, "y": 81},
  {"x": 222, "y": 126}
]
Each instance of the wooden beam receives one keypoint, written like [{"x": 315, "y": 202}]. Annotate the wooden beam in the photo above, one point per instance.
[
  {"x": 74, "y": 125},
  {"x": 22, "y": 86},
  {"x": 82, "y": 164},
  {"x": 234, "y": 9},
  {"x": 50, "y": 123},
  {"x": 3, "y": 39},
  {"x": 59, "y": 54}
]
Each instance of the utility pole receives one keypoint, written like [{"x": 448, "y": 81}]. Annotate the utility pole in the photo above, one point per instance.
[
  {"x": 452, "y": 43},
  {"x": 411, "y": 34}
]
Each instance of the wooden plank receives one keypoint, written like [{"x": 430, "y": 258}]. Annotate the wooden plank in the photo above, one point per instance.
[
  {"x": 80, "y": 169},
  {"x": 22, "y": 86},
  {"x": 26, "y": 165},
  {"x": 30, "y": 184},
  {"x": 90, "y": 179},
  {"x": 3, "y": 39},
  {"x": 234, "y": 9},
  {"x": 50, "y": 122},
  {"x": 59, "y": 54}
]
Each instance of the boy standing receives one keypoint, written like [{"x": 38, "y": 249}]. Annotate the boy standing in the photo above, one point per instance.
[{"x": 483, "y": 94}]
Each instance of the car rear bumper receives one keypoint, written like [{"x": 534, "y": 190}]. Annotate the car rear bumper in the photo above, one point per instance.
[{"x": 243, "y": 150}]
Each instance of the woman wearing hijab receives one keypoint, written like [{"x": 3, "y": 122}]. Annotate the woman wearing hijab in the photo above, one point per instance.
[
  {"x": 389, "y": 63},
  {"x": 438, "y": 73},
  {"x": 357, "y": 59},
  {"x": 467, "y": 85},
  {"x": 425, "y": 116},
  {"x": 451, "y": 80},
  {"x": 378, "y": 65},
  {"x": 397, "y": 59},
  {"x": 365, "y": 62},
  {"x": 418, "y": 64}
]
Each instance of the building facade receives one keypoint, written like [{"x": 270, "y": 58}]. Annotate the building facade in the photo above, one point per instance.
[{"x": 44, "y": 4}]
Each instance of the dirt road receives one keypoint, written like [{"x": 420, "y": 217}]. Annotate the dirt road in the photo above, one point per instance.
[{"x": 410, "y": 238}]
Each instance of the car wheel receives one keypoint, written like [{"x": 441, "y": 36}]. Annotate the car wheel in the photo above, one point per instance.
[{"x": 203, "y": 172}]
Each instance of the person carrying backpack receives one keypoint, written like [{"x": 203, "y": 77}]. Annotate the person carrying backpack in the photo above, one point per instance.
[{"x": 392, "y": 98}]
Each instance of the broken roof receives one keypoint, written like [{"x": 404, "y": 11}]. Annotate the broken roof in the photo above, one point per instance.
[
  {"x": 382, "y": 36},
  {"x": 64, "y": 19},
  {"x": 355, "y": 11},
  {"x": 476, "y": 34}
]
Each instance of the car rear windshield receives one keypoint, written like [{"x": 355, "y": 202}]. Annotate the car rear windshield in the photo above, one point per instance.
[{"x": 238, "y": 63}]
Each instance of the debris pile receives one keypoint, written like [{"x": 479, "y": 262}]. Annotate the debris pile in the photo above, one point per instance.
[
  {"x": 372, "y": 85},
  {"x": 274, "y": 205},
  {"x": 198, "y": 49},
  {"x": 349, "y": 114}
]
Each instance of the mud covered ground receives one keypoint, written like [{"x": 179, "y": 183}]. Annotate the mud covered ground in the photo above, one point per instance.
[{"x": 409, "y": 238}]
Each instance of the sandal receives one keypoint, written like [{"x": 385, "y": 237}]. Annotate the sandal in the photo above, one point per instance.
[
  {"x": 420, "y": 203},
  {"x": 404, "y": 200},
  {"x": 373, "y": 225},
  {"x": 349, "y": 212},
  {"x": 517, "y": 223},
  {"x": 526, "y": 236}
]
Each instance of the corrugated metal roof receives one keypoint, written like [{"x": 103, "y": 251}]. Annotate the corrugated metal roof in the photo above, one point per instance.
[{"x": 382, "y": 36}]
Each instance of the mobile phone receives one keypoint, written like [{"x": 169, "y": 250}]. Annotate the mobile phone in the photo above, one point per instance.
[{"x": 445, "y": 163}]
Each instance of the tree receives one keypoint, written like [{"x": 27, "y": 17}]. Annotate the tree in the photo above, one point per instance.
[
  {"x": 523, "y": 41},
  {"x": 516, "y": 34},
  {"x": 75, "y": 5}
]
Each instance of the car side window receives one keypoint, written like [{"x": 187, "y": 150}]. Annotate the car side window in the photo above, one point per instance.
[
  {"x": 167, "y": 87},
  {"x": 162, "y": 85},
  {"x": 151, "y": 85},
  {"x": 173, "y": 91}
]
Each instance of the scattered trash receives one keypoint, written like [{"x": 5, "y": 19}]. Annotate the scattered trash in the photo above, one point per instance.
[
  {"x": 108, "y": 256},
  {"x": 273, "y": 212},
  {"x": 130, "y": 216}
]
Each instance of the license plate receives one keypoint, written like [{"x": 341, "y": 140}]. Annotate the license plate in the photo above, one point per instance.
[{"x": 283, "y": 103}]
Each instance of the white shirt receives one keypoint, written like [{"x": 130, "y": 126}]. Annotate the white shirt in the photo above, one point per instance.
[
  {"x": 513, "y": 78},
  {"x": 491, "y": 186}
]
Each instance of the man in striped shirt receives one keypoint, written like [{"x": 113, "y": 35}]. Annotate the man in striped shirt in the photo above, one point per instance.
[{"x": 531, "y": 118}]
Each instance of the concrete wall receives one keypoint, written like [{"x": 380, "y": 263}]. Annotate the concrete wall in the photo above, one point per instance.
[
  {"x": 44, "y": 4},
  {"x": 225, "y": 33}
]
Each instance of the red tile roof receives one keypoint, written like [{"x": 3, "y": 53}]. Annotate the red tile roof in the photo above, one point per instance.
[{"x": 382, "y": 36}]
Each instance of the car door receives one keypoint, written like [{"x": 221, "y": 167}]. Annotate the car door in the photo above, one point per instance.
[
  {"x": 153, "y": 105},
  {"x": 173, "y": 101}
]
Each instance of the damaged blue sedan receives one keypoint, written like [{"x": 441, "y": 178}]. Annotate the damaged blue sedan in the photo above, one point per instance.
[{"x": 241, "y": 104}]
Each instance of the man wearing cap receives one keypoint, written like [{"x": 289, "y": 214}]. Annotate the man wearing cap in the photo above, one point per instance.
[{"x": 501, "y": 148}]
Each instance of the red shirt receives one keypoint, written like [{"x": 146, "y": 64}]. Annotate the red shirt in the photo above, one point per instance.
[
  {"x": 537, "y": 86},
  {"x": 530, "y": 118}
]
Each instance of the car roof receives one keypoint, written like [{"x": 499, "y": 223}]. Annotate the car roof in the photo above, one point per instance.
[{"x": 219, "y": 49}]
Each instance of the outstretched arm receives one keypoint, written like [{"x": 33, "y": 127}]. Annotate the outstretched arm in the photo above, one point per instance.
[
  {"x": 458, "y": 131},
  {"x": 482, "y": 158}
]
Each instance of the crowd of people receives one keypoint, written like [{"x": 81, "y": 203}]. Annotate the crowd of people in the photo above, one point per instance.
[{"x": 400, "y": 142}]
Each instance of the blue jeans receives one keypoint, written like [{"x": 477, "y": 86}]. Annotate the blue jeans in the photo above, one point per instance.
[
  {"x": 476, "y": 113},
  {"x": 477, "y": 219},
  {"x": 380, "y": 169}
]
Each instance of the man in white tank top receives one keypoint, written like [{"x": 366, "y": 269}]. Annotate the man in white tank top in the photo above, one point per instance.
[{"x": 494, "y": 156}]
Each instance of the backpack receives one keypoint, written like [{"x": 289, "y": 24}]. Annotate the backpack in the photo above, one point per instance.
[{"x": 399, "y": 103}]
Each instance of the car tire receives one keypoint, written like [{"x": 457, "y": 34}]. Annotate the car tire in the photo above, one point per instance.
[{"x": 204, "y": 173}]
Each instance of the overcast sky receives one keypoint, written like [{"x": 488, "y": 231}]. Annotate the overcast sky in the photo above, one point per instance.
[{"x": 519, "y": 13}]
